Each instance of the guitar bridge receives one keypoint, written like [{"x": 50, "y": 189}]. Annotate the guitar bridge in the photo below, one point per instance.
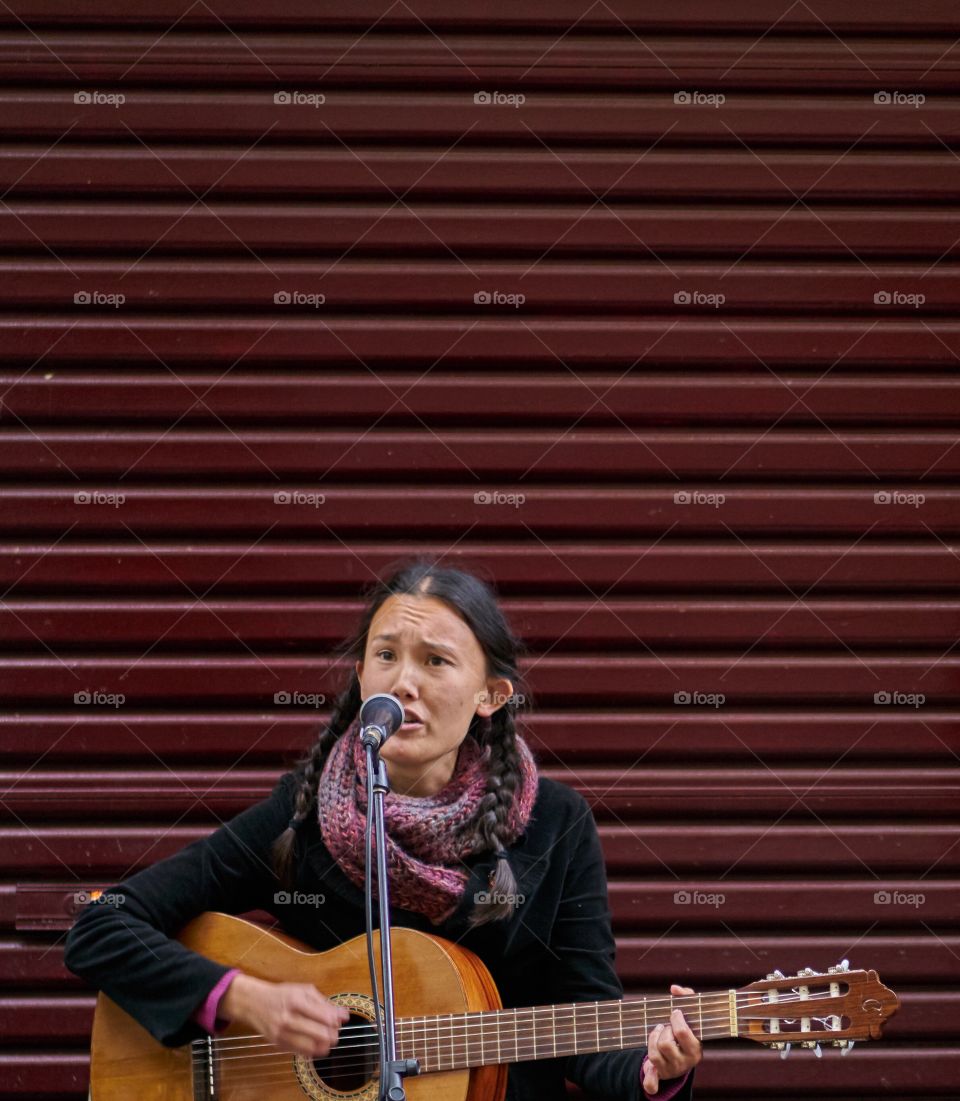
[{"x": 205, "y": 1069}]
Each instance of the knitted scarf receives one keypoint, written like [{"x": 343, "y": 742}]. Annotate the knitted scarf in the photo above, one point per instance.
[{"x": 427, "y": 836}]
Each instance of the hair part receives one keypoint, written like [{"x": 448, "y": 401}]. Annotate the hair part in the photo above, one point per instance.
[{"x": 475, "y": 601}]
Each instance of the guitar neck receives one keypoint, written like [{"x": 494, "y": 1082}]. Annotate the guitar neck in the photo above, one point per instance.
[{"x": 458, "y": 1041}]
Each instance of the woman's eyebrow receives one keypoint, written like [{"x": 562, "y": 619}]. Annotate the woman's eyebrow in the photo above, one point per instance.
[{"x": 430, "y": 645}]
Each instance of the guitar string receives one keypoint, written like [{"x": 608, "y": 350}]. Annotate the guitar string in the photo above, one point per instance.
[
  {"x": 443, "y": 1055},
  {"x": 485, "y": 1018},
  {"x": 607, "y": 1030},
  {"x": 282, "y": 1068}
]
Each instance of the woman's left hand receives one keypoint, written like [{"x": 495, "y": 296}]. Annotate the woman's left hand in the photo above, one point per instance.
[{"x": 672, "y": 1049}]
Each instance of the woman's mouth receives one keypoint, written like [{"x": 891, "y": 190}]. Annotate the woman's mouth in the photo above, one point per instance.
[{"x": 411, "y": 721}]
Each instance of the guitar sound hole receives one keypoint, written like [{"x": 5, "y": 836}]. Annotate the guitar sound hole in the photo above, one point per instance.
[{"x": 354, "y": 1061}]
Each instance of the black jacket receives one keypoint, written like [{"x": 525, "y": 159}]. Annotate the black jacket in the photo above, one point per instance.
[{"x": 558, "y": 946}]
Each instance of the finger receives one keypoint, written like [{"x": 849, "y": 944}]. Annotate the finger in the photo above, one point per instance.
[
  {"x": 683, "y": 1033},
  {"x": 311, "y": 1045},
  {"x": 653, "y": 1048},
  {"x": 669, "y": 1053},
  {"x": 687, "y": 990},
  {"x": 651, "y": 1080},
  {"x": 313, "y": 1005}
]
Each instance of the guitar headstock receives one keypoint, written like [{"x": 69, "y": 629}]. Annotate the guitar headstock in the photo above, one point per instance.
[{"x": 836, "y": 1007}]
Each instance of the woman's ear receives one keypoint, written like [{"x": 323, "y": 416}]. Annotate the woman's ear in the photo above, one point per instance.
[
  {"x": 497, "y": 692},
  {"x": 359, "y": 668}
]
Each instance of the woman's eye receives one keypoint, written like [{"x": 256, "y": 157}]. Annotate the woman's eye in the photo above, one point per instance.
[
  {"x": 436, "y": 657},
  {"x": 380, "y": 653}
]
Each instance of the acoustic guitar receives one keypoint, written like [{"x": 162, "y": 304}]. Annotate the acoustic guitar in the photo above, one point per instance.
[{"x": 450, "y": 1018}]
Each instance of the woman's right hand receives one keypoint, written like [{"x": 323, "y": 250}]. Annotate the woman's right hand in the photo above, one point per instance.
[{"x": 294, "y": 1016}]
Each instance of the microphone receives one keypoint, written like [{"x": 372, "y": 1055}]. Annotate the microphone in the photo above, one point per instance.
[{"x": 380, "y": 716}]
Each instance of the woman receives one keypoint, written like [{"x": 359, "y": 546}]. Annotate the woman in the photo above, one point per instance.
[{"x": 482, "y": 851}]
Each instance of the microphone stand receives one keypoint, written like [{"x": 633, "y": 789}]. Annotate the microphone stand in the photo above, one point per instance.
[{"x": 392, "y": 1069}]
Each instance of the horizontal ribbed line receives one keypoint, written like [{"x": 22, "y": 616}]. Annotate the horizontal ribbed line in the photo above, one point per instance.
[
  {"x": 470, "y": 230},
  {"x": 109, "y": 334},
  {"x": 535, "y": 455},
  {"x": 525, "y": 398},
  {"x": 114, "y": 508},
  {"x": 164, "y": 566},
  {"x": 916, "y": 957},
  {"x": 347, "y": 115},
  {"x": 729, "y": 735},
  {"x": 688, "y": 15},
  {"x": 601, "y": 61},
  {"x": 478, "y": 287},
  {"x": 73, "y": 170},
  {"x": 298, "y": 623}
]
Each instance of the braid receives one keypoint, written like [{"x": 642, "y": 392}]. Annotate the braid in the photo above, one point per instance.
[
  {"x": 307, "y": 773},
  {"x": 503, "y": 780}
]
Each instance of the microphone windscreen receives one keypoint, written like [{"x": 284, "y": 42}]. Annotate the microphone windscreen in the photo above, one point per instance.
[{"x": 382, "y": 710}]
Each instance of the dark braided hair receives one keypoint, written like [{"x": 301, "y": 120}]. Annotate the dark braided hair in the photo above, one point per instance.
[{"x": 476, "y": 603}]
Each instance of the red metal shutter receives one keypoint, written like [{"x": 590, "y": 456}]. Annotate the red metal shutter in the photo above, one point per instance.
[{"x": 649, "y": 312}]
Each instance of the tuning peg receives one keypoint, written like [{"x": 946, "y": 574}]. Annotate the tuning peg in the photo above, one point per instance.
[
  {"x": 843, "y": 966},
  {"x": 807, "y": 971},
  {"x": 786, "y": 1050},
  {"x": 776, "y": 975},
  {"x": 847, "y": 1047}
]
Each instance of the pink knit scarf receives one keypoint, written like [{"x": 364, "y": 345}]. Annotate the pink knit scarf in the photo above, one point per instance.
[{"x": 427, "y": 836}]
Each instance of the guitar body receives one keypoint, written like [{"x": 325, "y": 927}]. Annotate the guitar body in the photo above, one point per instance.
[{"x": 431, "y": 976}]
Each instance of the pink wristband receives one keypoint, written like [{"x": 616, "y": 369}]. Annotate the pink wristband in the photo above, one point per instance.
[{"x": 206, "y": 1016}]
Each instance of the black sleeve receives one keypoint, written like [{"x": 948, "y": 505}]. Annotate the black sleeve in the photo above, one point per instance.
[
  {"x": 126, "y": 949},
  {"x": 584, "y": 941}
]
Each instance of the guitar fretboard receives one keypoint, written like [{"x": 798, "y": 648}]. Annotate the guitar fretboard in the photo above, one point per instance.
[{"x": 460, "y": 1040}]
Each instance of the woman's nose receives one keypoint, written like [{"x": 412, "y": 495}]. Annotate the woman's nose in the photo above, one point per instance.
[{"x": 405, "y": 685}]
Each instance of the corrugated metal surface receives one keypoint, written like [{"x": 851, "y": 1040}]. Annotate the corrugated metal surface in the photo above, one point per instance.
[{"x": 750, "y": 302}]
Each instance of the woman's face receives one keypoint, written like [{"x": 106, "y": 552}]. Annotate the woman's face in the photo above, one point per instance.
[{"x": 423, "y": 653}]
